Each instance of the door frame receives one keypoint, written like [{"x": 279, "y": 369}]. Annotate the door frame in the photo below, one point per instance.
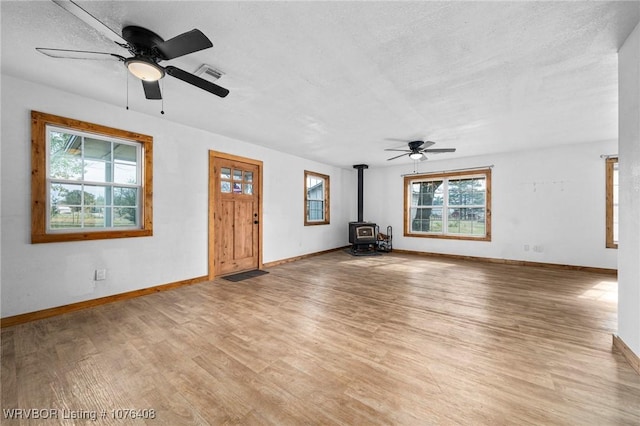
[{"x": 212, "y": 203}]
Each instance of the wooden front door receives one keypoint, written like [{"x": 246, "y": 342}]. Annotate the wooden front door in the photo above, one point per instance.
[{"x": 235, "y": 211}]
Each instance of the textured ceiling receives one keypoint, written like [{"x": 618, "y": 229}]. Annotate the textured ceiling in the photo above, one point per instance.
[{"x": 336, "y": 81}]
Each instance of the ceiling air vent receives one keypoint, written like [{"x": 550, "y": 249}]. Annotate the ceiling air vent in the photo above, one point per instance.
[{"x": 208, "y": 72}]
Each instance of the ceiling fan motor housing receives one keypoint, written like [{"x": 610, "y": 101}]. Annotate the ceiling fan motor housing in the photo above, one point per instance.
[
  {"x": 142, "y": 42},
  {"x": 414, "y": 145}
]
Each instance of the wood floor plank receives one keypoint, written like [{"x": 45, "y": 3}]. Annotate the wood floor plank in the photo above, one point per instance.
[{"x": 336, "y": 339}]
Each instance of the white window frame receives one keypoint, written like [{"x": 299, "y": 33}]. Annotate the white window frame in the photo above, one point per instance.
[{"x": 82, "y": 182}]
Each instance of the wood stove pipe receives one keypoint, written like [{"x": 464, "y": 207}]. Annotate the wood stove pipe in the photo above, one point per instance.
[{"x": 360, "y": 168}]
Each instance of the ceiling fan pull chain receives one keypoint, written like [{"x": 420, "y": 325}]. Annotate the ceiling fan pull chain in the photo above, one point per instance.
[
  {"x": 127, "y": 77},
  {"x": 162, "y": 110}
]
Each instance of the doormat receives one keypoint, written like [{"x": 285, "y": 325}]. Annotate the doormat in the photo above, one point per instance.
[{"x": 245, "y": 275}]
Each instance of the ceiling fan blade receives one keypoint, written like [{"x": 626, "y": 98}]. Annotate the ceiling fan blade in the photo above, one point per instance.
[
  {"x": 185, "y": 43},
  {"x": 427, "y": 144},
  {"x": 151, "y": 89},
  {"x": 397, "y": 140},
  {"x": 397, "y": 156},
  {"x": 424, "y": 158},
  {"x": 90, "y": 20},
  {"x": 438, "y": 150},
  {"x": 196, "y": 81},
  {"x": 399, "y": 150},
  {"x": 79, "y": 54}
]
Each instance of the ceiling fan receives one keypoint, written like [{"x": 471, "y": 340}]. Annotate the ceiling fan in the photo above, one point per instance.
[
  {"x": 417, "y": 150},
  {"x": 147, "y": 49}
]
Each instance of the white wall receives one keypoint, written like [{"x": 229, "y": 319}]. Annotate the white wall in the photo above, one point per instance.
[
  {"x": 554, "y": 198},
  {"x": 564, "y": 214},
  {"x": 629, "y": 163},
  {"x": 39, "y": 276}
]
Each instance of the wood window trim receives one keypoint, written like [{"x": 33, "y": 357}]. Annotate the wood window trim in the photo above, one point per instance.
[
  {"x": 327, "y": 208},
  {"x": 39, "y": 122},
  {"x": 609, "y": 164},
  {"x": 471, "y": 172}
]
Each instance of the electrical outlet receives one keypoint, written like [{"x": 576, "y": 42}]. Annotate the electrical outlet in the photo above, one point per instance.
[
  {"x": 538, "y": 249},
  {"x": 101, "y": 274},
  {"x": 526, "y": 247}
]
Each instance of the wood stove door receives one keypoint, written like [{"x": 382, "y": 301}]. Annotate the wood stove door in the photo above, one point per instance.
[{"x": 236, "y": 215}]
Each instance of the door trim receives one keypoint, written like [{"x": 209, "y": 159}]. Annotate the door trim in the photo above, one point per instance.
[{"x": 212, "y": 202}]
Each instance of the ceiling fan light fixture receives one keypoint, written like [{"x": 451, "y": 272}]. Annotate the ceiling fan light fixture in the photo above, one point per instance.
[
  {"x": 415, "y": 155},
  {"x": 144, "y": 69}
]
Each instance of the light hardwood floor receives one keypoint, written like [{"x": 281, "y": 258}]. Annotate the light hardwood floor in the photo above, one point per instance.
[{"x": 336, "y": 339}]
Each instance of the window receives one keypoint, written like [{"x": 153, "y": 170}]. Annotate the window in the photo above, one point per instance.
[
  {"x": 316, "y": 198},
  {"x": 88, "y": 181},
  {"x": 454, "y": 205},
  {"x": 236, "y": 181},
  {"x": 612, "y": 202}
]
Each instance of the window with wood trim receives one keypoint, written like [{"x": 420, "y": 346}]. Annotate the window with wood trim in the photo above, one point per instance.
[
  {"x": 316, "y": 198},
  {"x": 454, "y": 205},
  {"x": 612, "y": 202},
  {"x": 88, "y": 181}
]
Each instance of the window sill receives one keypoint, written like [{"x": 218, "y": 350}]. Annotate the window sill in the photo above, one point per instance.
[
  {"x": 89, "y": 236},
  {"x": 449, "y": 237}
]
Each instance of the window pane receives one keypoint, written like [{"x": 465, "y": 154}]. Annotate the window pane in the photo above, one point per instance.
[
  {"x": 467, "y": 192},
  {"x": 94, "y": 195},
  {"x": 97, "y": 171},
  {"x": 313, "y": 181},
  {"x": 248, "y": 188},
  {"x": 466, "y": 221},
  {"x": 248, "y": 176},
  {"x": 125, "y": 173},
  {"x": 427, "y": 193},
  {"x": 438, "y": 195},
  {"x": 123, "y": 153},
  {"x": 64, "y": 217},
  {"x": 225, "y": 173},
  {"x": 125, "y": 196},
  {"x": 237, "y": 188},
  {"x": 315, "y": 189},
  {"x": 415, "y": 192},
  {"x": 237, "y": 174},
  {"x": 65, "y": 156},
  {"x": 97, "y": 149},
  {"x": 315, "y": 210},
  {"x": 124, "y": 216},
  {"x": 225, "y": 186},
  {"x": 66, "y": 195},
  {"x": 93, "y": 217},
  {"x": 426, "y": 219},
  {"x": 58, "y": 193},
  {"x": 65, "y": 206}
]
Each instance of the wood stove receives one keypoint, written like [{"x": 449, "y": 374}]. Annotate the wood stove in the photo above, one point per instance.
[
  {"x": 362, "y": 232},
  {"x": 362, "y": 235}
]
